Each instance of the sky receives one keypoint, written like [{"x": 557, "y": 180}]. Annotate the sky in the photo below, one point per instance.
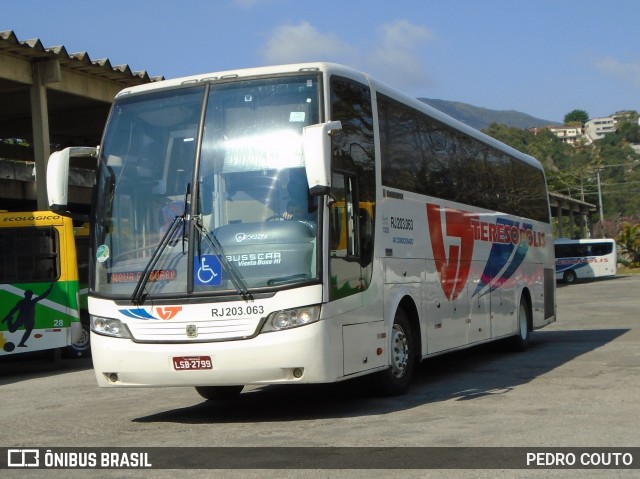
[{"x": 544, "y": 57}]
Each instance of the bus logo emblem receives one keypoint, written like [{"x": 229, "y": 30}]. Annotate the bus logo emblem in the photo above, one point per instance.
[
  {"x": 453, "y": 268},
  {"x": 168, "y": 312},
  {"x": 192, "y": 331}
]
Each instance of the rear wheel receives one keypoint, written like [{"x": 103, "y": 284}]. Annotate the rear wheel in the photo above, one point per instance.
[
  {"x": 397, "y": 379},
  {"x": 219, "y": 393},
  {"x": 569, "y": 277},
  {"x": 82, "y": 347},
  {"x": 520, "y": 342}
]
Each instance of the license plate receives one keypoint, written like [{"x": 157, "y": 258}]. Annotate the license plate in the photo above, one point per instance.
[{"x": 190, "y": 363}]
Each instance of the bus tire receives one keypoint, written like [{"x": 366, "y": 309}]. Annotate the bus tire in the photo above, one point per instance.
[
  {"x": 82, "y": 347},
  {"x": 397, "y": 378},
  {"x": 219, "y": 393},
  {"x": 569, "y": 277},
  {"x": 520, "y": 342}
]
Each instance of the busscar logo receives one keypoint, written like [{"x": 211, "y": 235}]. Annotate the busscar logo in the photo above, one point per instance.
[
  {"x": 192, "y": 331},
  {"x": 240, "y": 237}
]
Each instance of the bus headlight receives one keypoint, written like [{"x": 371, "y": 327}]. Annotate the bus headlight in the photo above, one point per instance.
[
  {"x": 109, "y": 327},
  {"x": 291, "y": 318}
]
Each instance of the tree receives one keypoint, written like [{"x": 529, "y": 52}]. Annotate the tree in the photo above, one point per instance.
[
  {"x": 573, "y": 170},
  {"x": 629, "y": 131},
  {"x": 556, "y": 156},
  {"x": 629, "y": 241},
  {"x": 576, "y": 116}
]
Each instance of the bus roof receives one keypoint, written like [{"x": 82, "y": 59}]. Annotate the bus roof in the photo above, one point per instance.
[
  {"x": 583, "y": 241},
  {"x": 342, "y": 70}
]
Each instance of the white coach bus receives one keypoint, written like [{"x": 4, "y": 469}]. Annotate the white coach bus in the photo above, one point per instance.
[
  {"x": 303, "y": 224},
  {"x": 585, "y": 259}
]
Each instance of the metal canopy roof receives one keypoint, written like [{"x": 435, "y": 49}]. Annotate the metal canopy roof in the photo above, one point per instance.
[
  {"x": 78, "y": 101},
  {"x": 51, "y": 99},
  {"x": 34, "y": 50}
]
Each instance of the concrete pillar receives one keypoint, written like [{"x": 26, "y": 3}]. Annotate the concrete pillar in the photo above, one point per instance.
[
  {"x": 571, "y": 223},
  {"x": 43, "y": 73},
  {"x": 560, "y": 221}
]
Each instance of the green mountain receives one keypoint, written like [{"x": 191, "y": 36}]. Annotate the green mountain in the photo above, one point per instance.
[{"x": 481, "y": 118}]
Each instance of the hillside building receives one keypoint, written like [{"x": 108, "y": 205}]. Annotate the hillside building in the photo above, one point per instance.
[
  {"x": 596, "y": 128},
  {"x": 568, "y": 134}
]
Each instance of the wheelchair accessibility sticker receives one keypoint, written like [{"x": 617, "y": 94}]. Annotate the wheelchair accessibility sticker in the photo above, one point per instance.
[{"x": 207, "y": 270}]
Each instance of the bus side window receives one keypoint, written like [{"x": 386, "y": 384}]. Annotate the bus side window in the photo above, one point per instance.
[
  {"x": 366, "y": 236},
  {"x": 344, "y": 217}
]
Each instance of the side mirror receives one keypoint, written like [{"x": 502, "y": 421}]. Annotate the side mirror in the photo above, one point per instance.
[
  {"x": 58, "y": 175},
  {"x": 317, "y": 156}
]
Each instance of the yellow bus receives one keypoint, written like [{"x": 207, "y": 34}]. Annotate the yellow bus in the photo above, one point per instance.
[{"x": 40, "y": 304}]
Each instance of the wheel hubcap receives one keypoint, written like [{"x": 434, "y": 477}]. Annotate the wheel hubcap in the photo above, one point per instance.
[{"x": 400, "y": 352}]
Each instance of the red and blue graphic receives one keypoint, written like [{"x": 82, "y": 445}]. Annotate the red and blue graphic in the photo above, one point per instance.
[
  {"x": 504, "y": 260},
  {"x": 453, "y": 268},
  {"x": 578, "y": 263},
  {"x": 510, "y": 243},
  {"x": 161, "y": 313}
]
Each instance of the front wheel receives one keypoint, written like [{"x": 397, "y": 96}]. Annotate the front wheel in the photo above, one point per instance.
[
  {"x": 397, "y": 379},
  {"x": 219, "y": 393}
]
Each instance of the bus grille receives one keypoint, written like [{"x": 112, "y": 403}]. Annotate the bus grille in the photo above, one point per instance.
[{"x": 188, "y": 331}]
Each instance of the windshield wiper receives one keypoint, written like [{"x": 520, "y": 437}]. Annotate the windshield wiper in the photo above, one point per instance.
[
  {"x": 228, "y": 266},
  {"x": 138, "y": 293}
]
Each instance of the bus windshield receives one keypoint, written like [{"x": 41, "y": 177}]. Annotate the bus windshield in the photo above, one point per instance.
[{"x": 202, "y": 190}]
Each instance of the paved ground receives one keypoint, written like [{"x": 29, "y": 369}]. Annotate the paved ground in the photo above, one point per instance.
[{"x": 577, "y": 386}]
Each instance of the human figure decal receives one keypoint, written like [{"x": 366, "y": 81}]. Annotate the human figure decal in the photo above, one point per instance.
[{"x": 25, "y": 318}]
